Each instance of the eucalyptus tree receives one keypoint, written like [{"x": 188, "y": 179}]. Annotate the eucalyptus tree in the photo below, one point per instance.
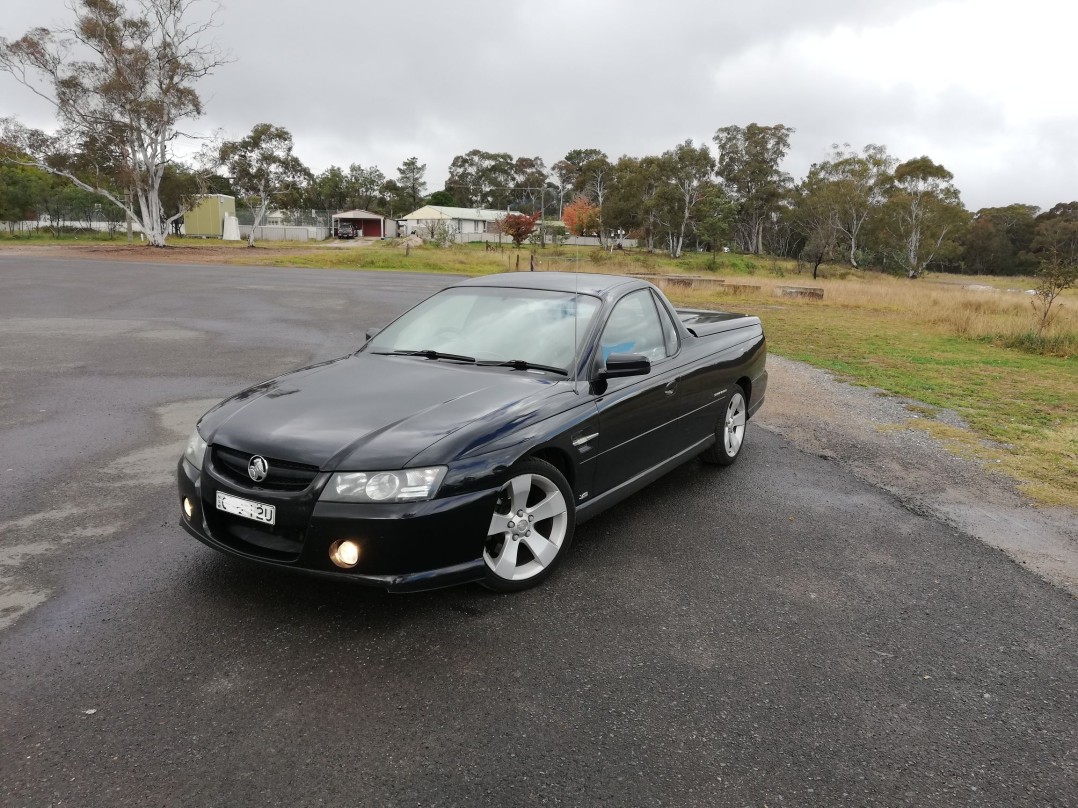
[
  {"x": 630, "y": 203},
  {"x": 124, "y": 78},
  {"x": 849, "y": 187},
  {"x": 714, "y": 219},
  {"x": 596, "y": 179},
  {"x": 817, "y": 220},
  {"x": 20, "y": 188},
  {"x": 749, "y": 163},
  {"x": 330, "y": 190},
  {"x": 530, "y": 182},
  {"x": 688, "y": 175},
  {"x": 366, "y": 186},
  {"x": 481, "y": 179},
  {"x": 263, "y": 169},
  {"x": 998, "y": 241},
  {"x": 923, "y": 215}
]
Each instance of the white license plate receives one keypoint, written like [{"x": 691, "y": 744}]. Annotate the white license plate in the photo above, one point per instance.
[{"x": 257, "y": 511}]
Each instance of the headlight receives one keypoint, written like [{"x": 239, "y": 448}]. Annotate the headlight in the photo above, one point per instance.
[
  {"x": 410, "y": 485},
  {"x": 196, "y": 450}
]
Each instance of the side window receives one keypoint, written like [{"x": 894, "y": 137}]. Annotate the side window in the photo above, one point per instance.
[
  {"x": 634, "y": 328},
  {"x": 670, "y": 335}
]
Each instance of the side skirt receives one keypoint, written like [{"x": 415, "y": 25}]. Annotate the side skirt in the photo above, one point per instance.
[{"x": 641, "y": 480}]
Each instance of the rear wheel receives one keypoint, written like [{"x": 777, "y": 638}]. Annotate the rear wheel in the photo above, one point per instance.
[
  {"x": 531, "y": 527},
  {"x": 730, "y": 431}
]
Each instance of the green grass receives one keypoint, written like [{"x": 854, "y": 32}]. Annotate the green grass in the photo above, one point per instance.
[
  {"x": 473, "y": 259},
  {"x": 1022, "y": 408},
  {"x": 388, "y": 256}
]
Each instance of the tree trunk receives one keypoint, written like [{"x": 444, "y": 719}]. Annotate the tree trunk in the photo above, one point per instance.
[
  {"x": 257, "y": 221},
  {"x": 150, "y": 206}
]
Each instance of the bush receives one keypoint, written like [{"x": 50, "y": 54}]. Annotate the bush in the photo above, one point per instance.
[{"x": 1063, "y": 345}]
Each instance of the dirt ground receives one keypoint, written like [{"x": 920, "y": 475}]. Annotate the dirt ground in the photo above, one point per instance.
[{"x": 865, "y": 430}]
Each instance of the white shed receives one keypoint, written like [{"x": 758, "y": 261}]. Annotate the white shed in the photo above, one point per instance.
[{"x": 461, "y": 221}]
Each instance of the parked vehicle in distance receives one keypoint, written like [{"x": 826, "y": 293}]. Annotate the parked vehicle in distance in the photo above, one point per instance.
[
  {"x": 467, "y": 439},
  {"x": 346, "y": 230}
]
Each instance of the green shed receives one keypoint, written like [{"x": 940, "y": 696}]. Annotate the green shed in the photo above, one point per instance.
[{"x": 207, "y": 218}]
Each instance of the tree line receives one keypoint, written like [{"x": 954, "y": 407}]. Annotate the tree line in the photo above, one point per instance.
[{"x": 122, "y": 82}]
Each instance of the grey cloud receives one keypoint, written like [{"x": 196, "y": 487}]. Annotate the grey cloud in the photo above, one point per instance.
[{"x": 376, "y": 83}]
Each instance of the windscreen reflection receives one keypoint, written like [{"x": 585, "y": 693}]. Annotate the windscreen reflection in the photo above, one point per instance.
[{"x": 494, "y": 325}]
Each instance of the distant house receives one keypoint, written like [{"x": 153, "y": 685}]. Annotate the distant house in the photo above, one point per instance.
[
  {"x": 367, "y": 224},
  {"x": 207, "y": 218},
  {"x": 460, "y": 221}
]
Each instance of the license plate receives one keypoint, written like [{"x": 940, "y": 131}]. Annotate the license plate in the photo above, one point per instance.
[{"x": 257, "y": 511}]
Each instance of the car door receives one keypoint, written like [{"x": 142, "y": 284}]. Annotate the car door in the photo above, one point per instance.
[{"x": 638, "y": 415}]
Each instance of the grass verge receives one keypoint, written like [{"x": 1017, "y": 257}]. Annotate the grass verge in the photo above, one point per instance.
[{"x": 1021, "y": 407}]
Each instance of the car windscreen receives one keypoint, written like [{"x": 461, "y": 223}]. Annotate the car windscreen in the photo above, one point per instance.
[{"x": 492, "y": 324}]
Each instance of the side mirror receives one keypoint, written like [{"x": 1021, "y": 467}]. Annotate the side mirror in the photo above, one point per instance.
[
  {"x": 620, "y": 365},
  {"x": 371, "y": 332}
]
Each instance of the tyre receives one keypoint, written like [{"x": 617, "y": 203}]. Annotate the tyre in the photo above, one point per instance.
[
  {"x": 531, "y": 527},
  {"x": 730, "y": 431}
]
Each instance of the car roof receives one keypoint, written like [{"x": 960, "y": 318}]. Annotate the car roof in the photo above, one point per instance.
[{"x": 587, "y": 283}]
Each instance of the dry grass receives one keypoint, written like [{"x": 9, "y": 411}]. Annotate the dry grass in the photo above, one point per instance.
[
  {"x": 1002, "y": 313},
  {"x": 947, "y": 346}
]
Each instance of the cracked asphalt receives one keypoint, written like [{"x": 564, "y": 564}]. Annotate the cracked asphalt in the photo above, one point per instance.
[{"x": 782, "y": 632}]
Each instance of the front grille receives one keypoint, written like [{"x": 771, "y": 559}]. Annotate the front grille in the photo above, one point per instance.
[{"x": 283, "y": 475}]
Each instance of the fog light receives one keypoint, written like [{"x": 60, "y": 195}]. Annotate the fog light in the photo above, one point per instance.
[
  {"x": 188, "y": 507},
  {"x": 344, "y": 554}
]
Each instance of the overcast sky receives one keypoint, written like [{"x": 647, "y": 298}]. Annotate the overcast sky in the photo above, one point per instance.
[{"x": 983, "y": 86}]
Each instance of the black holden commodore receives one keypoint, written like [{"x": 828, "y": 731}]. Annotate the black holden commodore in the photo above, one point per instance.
[{"x": 467, "y": 439}]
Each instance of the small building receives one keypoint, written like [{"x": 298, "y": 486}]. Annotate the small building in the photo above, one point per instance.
[
  {"x": 207, "y": 218},
  {"x": 460, "y": 221},
  {"x": 367, "y": 224}
]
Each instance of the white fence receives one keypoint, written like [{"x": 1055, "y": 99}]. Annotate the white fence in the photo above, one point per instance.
[
  {"x": 283, "y": 232},
  {"x": 572, "y": 241},
  {"x": 44, "y": 223}
]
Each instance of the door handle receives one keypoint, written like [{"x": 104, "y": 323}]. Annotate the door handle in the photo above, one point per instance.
[{"x": 671, "y": 387}]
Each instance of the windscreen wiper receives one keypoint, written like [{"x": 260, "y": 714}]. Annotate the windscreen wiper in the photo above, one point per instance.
[
  {"x": 523, "y": 364},
  {"x": 428, "y": 353}
]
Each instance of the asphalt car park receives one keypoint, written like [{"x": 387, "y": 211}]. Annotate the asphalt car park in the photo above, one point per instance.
[{"x": 775, "y": 632}]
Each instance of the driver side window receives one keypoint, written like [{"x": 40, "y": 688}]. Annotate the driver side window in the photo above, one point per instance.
[{"x": 634, "y": 328}]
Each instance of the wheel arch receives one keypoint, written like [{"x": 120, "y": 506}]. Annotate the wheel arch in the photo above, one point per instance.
[
  {"x": 745, "y": 383},
  {"x": 559, "y": 459}
]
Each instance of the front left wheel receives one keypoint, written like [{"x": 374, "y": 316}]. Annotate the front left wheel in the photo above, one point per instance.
[{"x": 531, "y": 527}]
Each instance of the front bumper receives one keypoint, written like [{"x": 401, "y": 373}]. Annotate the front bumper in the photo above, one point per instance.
[{"x": 404, "y": 547}]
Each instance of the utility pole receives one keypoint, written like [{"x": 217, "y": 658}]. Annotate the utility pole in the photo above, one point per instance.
[{"x": 542, "y": 217}]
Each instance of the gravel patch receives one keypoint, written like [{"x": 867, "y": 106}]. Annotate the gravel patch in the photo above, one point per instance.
[{"x": 873, "y": 434}]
